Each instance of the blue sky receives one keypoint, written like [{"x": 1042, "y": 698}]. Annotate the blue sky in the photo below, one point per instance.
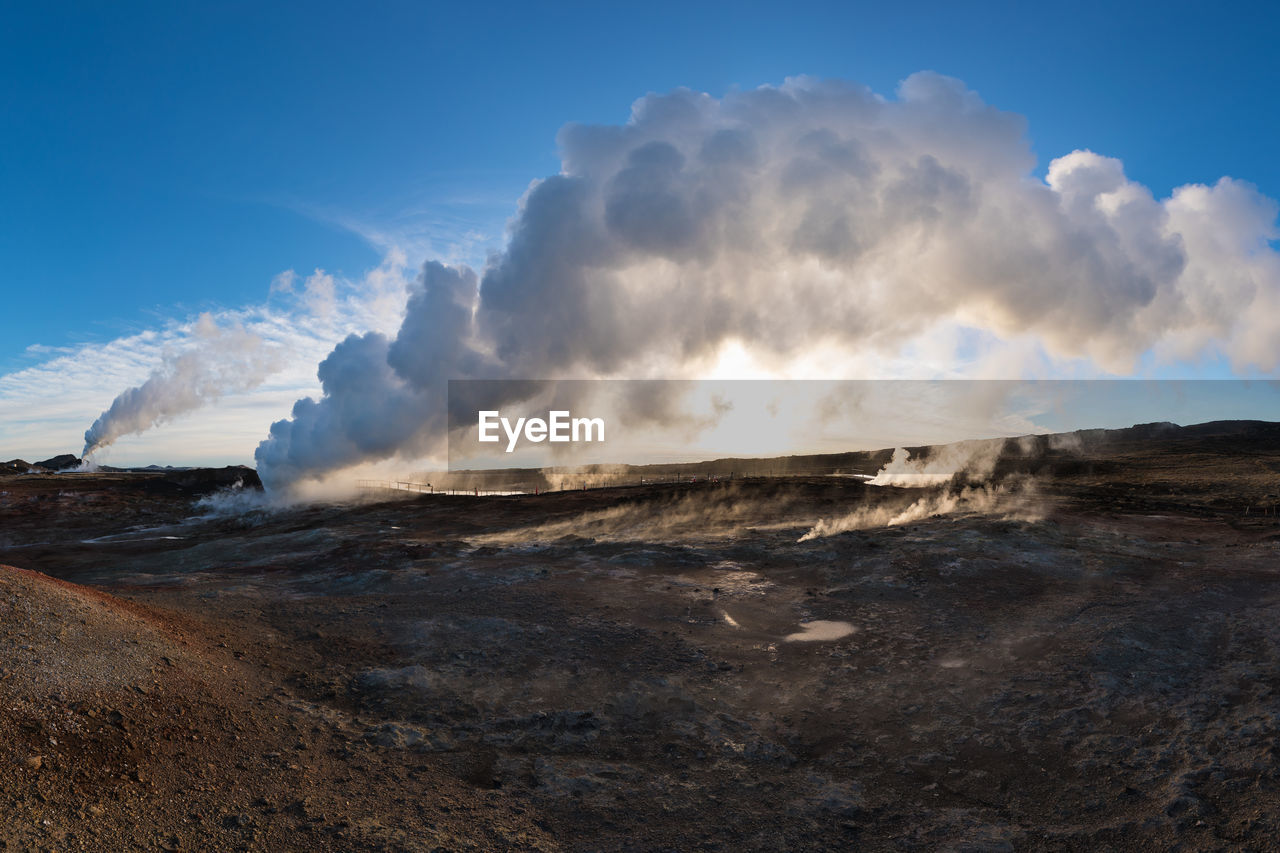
[{"x": 161, "y": 158}]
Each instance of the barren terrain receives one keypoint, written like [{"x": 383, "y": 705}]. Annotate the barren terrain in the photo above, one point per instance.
[{"x": 1092, "y": 662}]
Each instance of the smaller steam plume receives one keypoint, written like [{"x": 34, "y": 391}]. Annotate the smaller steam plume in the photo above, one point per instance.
[
  {"x": 963, "y": 470},
  {"x": 222, "y": 361},
  {"x": 699, "y": 516},
  {"x": 981, "y": 499},
  {"x": 974, "y": 459}
]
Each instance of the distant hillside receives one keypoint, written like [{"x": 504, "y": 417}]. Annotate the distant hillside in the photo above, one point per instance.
[{"x": 1042, "y": 453}]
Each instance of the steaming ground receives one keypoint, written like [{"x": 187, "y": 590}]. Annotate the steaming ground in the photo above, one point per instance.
[{"x": 657, "y": 667}]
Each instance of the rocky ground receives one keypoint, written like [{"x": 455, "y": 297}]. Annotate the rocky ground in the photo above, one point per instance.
[{"x": 1090, "y": 662}]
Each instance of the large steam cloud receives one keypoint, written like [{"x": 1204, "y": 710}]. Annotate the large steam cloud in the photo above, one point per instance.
[
  {"x": 812, "y": 214},
  {"x": 221, "y": 361}
]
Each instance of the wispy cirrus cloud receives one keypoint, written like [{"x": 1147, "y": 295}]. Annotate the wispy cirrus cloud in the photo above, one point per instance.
[
  {"x": 45, "y": 408},
  {"x": 457, "y": 218}
]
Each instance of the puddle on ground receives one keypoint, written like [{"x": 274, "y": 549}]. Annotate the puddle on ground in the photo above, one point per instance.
[{"x": 820, "y": 630}]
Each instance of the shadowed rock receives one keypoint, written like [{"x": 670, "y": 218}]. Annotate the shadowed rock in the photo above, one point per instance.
[{"x": 61, "y": 462}]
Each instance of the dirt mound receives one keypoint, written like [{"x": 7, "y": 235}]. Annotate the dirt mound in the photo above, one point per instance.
[
  {"x": 90, "y": 685},
  {"x": 130, "y": 727},
  {"x": 64, "y": 640}
]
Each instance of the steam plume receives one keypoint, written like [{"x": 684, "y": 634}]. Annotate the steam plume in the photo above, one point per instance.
[
  {"x": 815, "y": 213},
  {"x": 1016, "y": 500},
  {"x": 223, "y": 360},
  {"x": 974, "y": 458}
]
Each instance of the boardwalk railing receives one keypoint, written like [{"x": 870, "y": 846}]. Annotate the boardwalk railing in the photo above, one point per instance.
[
  {"x": 569, "y": 484},
  {"x": 427, "y": 488},
  {"x": 395, "y": 486}
]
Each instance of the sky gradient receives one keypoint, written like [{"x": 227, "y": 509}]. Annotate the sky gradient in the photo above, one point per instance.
[{"x": 160, "y": 161}]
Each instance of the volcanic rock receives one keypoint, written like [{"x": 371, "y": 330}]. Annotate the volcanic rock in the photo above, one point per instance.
[
  {"x": 1089, "y": 665},
  {"x": 204, "y": 480},
  {"x": 62, "y": 462}
]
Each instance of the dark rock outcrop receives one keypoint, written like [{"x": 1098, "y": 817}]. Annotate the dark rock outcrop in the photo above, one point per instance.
[
  {"x": 62, "y": 462},
  {"x": 204, "y": 480}
]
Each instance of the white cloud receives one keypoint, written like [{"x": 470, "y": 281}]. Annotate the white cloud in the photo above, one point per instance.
[
  {"x": 320, "y": 294},
  {"x": 46, "y": 408},
  {"x": 283, "y": 282},
  {"x": 812, "y": 228},
  {"x": 906, "y": 236}
]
